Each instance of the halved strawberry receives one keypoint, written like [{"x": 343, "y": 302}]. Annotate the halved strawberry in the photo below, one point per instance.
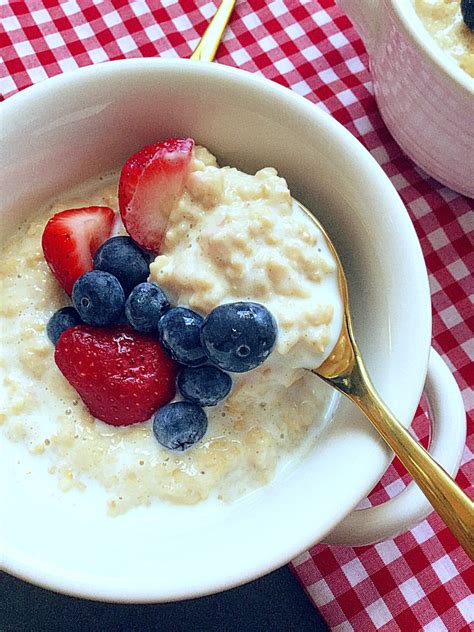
[
  {"x": 70, "y": 240},
  {"x": 131, "y": 172},
  {"x": 122, "y": 376},
  {"x": 150, "y": 184}
]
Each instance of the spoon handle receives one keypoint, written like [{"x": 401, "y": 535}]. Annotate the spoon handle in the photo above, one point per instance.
[
  {"x": 449, "y": 501},
  {"x": 206, "y": 49}
]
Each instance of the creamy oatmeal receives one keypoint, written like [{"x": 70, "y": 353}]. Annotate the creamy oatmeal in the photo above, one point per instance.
[
  {"x": 443, "y": 20},
  {"x": 231, "y": 237}
]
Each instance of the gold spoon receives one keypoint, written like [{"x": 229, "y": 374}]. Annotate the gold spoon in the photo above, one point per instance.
[
  {"x": 209, "y": 42},
  {"x": 344, "y": 369}
]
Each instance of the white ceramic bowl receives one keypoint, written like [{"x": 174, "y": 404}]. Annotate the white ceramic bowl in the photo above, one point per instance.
[
  {"x": 69, "y": 128},
  {"x": 426, "y": 100}
]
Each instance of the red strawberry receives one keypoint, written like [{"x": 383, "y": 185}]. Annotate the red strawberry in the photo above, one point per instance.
[
  {"x": 70, "y": 240},
  {"x": 150, "y": 184},
  {"x": 122, "y": 376},
  {"x": 131, "y": 172}
]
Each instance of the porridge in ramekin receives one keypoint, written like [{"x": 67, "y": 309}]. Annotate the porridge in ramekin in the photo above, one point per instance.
[
  {"x": 444, "y": 21},
  {"x": 230, "y": 237}
]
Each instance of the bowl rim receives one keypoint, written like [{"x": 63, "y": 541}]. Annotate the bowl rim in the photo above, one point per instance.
[
  {"x": 93, "y": 588},
  {"x": 427, "y": 44}
]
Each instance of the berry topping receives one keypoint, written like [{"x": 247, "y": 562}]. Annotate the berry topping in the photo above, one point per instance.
[
  {"x": 131, "y": 172},
  {"x": 145, "y": 306},
  {"x": 204, "y": 385},
  {"x": 63, "y": 319},
  {"x": 121, "y": 375},
  {"x": 239, "y": 336},
  {"x": 99, "y": 298},
  {"x": 125, "y": 260},
  {"x": 467, "y": 10},
  {"x": 180, "y": 334},
  {"x": 150, "y": 184},
  {"x": 71, "y": 238},
  {"x": 179, "y": 425}
]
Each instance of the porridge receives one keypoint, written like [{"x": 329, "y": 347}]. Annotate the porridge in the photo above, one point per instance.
[
  {"x": 230, "y": 237},
  {"x": 444, "y": 21}
]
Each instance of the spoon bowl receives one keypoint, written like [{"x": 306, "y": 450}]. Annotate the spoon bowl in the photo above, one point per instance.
[{"x": 344, "y": 369}]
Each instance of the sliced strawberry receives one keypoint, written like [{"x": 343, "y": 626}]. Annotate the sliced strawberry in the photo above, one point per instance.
[
  {"x": 70, "y": 240},
  {"x": 131, "y": 172},
  {"x": 150, "y": 184},
  {"x": 122, "y": 376}
]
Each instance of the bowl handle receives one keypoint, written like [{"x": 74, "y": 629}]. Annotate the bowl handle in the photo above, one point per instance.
[{"x": 401, "y": 513}]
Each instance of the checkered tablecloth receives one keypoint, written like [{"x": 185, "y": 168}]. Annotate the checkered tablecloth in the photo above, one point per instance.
[{"x": 422, "y": 579}]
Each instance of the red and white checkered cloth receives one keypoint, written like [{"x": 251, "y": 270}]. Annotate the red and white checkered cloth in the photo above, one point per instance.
[{"x": 420, "y": 580}]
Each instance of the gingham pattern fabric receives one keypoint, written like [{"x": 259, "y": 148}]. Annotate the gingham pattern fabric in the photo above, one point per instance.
[{"x": 420, "y": 580}]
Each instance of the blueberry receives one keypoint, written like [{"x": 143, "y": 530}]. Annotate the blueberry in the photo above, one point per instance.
[
  {"x": 239, "y": 336},
  {"x": 123, "y": 258},
  {"x": 467, "y": 10},
  {"x": 180, "y": 334},
  {"x": 179, "y": 425},
  {"x": 149, "y": 256},
  {"x": 145, "y": 306},
  {"x": 204, "y": 385},
  {"x": 99, "y": 298},
  {"x": 61, "y": 320}
]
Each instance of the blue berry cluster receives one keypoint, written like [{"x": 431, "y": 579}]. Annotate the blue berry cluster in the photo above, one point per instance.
[
  {"x": 100, "y": 297},
  {"x": 235, "y": 337}
]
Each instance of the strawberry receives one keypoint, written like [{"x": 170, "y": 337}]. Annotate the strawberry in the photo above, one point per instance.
[
  {"x": 70, "y": 240},
  {"x": 122, "y": 376},
  {"x": 131, "y": 172},
  {"x": 150, "y": 184}
]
